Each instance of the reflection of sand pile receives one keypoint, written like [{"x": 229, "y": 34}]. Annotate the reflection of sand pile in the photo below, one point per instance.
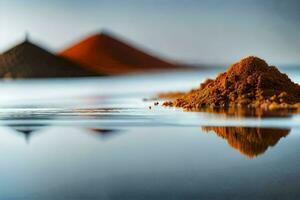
[
  {"x": 241, "y": 112},
  {"x": 27, "y": 60},
  {"x": 249, "y": 141},
  {"x": 27, "y": 130},
  {"x": 106, "y": 54},
  {"x": 103, "y": 132}
]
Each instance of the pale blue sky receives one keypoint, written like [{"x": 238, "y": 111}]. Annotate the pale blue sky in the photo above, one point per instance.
[{"x": 204, "y": 31}]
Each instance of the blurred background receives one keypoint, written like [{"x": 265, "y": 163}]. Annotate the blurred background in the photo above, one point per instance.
[{"x": 213, "y": 32}]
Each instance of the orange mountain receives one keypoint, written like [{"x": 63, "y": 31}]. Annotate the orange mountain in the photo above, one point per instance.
[{"x": 106, "y": 54}]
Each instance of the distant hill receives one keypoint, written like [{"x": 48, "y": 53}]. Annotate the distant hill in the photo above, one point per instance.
[
  {"x": 107, "y": 54},
  {"x": 27, "y": 60}
]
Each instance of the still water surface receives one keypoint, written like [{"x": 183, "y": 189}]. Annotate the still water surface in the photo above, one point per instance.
[{"x": 98, "y": 139}]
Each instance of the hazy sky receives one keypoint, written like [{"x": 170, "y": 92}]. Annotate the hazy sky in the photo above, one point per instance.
[{"x": 205, "y": 31}]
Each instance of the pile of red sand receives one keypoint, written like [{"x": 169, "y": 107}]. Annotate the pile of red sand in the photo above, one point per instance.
[
  {"x": 27, "y": 60},
  {"x": 106, "y": 54},
  {"x": 250, "y": 82}
]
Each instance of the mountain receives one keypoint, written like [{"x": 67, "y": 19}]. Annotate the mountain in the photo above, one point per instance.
[
  {"x": 107, "y": 54},
  {"x": 27, "y": 60}
]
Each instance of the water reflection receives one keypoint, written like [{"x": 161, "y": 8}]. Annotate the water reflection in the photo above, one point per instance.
[
  {"x": 27, "y": 130},
  {"x": 103, "y": 133},
  {"x": 247, "y": 140},
  {"x": 245, "y": 112}
]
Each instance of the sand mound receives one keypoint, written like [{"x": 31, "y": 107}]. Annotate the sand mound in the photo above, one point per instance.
[
  {"x": 27, "y": 60},
  {"x": 104, "y": 53},
  {"x": 250, "y": 82}
]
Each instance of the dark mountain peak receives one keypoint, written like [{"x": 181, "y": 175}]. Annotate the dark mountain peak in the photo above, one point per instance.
[
  {"x": 28, "y": 60},
  {"x": 26, "y": 47}
]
